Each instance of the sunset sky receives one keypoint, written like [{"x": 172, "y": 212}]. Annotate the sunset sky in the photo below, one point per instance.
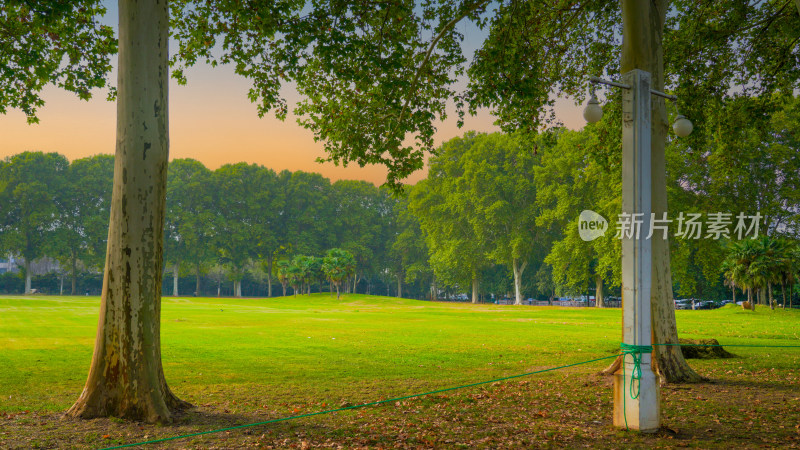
[{"x": 212, "y": 120}]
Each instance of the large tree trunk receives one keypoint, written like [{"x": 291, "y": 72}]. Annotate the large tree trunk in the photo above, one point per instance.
[
  {"x": 175, "y": 270},
  {"x": 27, "y": 276},
  {"x": 475, "y": 289},
  {"x": 126, "y": 378},
  {"x": 598, "y": 291},
  {"x": 518, "y": 269},
  {"x": 643, "y": 30},
  {"x": 284, "y": 289},
  {"x": 74, "y": 261}
]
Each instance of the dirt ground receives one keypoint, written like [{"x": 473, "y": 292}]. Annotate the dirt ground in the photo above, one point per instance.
[{"x": 735, "y": 410}]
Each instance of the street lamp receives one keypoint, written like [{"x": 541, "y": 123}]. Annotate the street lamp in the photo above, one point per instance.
[
  {"x": 682, "y": 126},
  {"x": 593, "y": 112},
  {"x": 636, "y": 390}
]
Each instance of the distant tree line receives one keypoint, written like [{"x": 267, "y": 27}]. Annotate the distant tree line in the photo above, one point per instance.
[
  {"x": 496, "y": 216},
  {"x": 227, "y": 232}
]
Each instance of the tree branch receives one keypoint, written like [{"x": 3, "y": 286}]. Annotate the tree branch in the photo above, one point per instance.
[{"x": 432, "y": 47}]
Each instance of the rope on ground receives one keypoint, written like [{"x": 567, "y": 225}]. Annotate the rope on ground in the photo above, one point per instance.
[
  {"x": 633, "y": 350},
  {"x": 283, "y": 419},
  {"x": 730, "y": 345}
]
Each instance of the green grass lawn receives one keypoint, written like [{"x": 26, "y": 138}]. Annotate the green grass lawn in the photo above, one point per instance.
[{"x": 300, "y": 353}]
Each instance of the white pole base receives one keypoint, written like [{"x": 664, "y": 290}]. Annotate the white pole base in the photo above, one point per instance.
[{"x": 643, "y": 413}]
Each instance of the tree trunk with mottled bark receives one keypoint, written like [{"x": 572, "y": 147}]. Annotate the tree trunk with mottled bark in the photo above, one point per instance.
[
  {"x": 475, "y": 289},
  {"x": 126, "y": 378},
  {"x": 598, "y": 291},
  {"x": 518, "y": 269}
]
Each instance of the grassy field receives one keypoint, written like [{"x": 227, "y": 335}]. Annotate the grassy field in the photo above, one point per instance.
[{"x": 250, "y": 360}]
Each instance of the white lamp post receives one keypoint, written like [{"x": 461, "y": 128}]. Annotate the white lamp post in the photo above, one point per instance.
[{"x": 636, "y": 390}]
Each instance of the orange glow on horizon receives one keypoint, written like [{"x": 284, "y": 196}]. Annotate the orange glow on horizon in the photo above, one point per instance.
[{"x": 211, "y": 121}]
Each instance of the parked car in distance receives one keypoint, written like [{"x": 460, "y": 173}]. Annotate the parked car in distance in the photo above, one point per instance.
[{"x": 683, "y": 303}]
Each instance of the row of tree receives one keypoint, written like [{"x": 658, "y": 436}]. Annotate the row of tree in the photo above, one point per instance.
[
  {"x": 497, "y": 213},
  {"x": 228, "y": 224}
]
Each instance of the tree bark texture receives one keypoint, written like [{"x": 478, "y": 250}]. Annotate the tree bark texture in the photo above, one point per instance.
[
  {"x": 598, "y": 291},
  {"x": 175, "y": 271},
  {"x": 126, "y": 378},
  {"x": 643, "y": 30},
  {"x": 518, "y": 268},
  {"x": 475, "y": 289},
  {"x": 400, "y": 285},
  {"x": 27, "y": 276}
]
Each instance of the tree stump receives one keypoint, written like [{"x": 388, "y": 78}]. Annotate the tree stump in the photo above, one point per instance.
[{"x": 693, "y": 349}]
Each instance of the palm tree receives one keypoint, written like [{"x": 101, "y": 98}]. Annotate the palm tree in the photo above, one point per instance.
[
  {"x": 338, "y": 265},
  {"x": 736, "y": 267},
  {"x": 730, "y": 275},
  {"x": 789, "y": 268},
  {"x": 757, "y": 264},
  {"x": 283, "y": 273}
]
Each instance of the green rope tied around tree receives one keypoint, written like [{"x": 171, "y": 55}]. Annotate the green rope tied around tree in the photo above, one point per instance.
[{"x": 636, "y": 353}]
